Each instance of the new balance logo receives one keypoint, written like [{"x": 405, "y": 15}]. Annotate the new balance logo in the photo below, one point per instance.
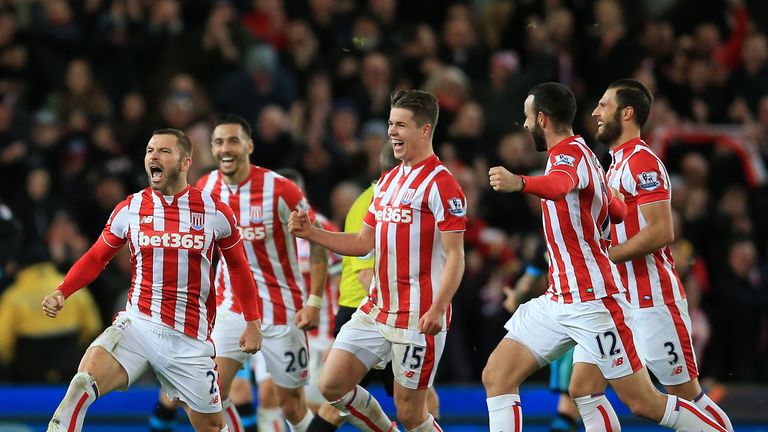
[{"x": 146, "y": 219}]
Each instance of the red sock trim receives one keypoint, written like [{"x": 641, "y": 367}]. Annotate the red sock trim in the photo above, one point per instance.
[
  {"x": 232, "y": 418},
  {"x": 76, "y": 412},
  {"x": 715, "y": 415},
  {"x": 701, "y": 416},
  {"x": 606, "y": 419},
  {"x": 364, "y": 419},
  {"x": 518, "y": 418}
]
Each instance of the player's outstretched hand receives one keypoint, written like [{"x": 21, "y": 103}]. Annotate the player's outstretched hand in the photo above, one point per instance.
[
  {"x": 308, "y": 318},
  {"x": 429, "y": 323},
  {"x": 250, "y": 340},
  {"x": 298, "y": 224},
  {"x": 502, "y": 180},
  {"x": 53, "y": 303}
]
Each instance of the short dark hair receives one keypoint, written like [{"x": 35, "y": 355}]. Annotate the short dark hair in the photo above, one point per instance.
[
  {"x": 556, "y": 101},
  {"x": 422, "y": 104},
  {"x": 185, "y": 145},
  {"x": 234, "y": 119},
  {"x": 630, "y": 92}
]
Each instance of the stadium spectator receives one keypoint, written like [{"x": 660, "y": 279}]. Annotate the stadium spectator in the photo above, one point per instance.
[{"x": 27, "y": 337}]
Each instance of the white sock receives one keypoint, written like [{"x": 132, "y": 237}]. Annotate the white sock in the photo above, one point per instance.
[
  {"x": 366, "y": 413},
  {"x": 429, "y": 425},
  {"x": 231, "y": 416},
  {"x": 81, "y": 393},
  {"x": 505, "y": 413},
  {"x": 303, "y": 424},
  {"x": 684, "y": 416},
  {"x": 597, "y": 413},
  {"x": 711, "y": 409},
  {"x": 271, "y": 420}
]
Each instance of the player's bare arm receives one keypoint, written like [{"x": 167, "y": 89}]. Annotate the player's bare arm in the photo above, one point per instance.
[
  {"x": 349, "y": 244},
  {"x": 657, "y": 233},
  {"x": 308, "y": 318},
  {"x": 365, "y": 276},
  {"x": 453, "y": 242},
  {"x": 244, "y": 288},
  {"x": 502, "y": 180}
]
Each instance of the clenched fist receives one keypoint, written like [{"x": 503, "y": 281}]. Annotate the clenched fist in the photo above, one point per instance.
[
  {"x": 502, "y": 180},
  {"x": 53, "y": 303},
  {"x": 299, "y": 225}
]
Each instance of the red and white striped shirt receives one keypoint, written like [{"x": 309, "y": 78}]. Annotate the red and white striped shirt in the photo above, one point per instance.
[
  {"x": 171, "y": 240},
  {"x": 579, "y": 268},
  {"x": 262, "y": 204},
  {"x": 410, "y": 207},
  {"x": 324, "y": 330},
  {"x": 641, "y": 177}
]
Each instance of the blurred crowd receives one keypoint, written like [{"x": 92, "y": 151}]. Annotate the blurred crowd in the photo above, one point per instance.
[{"x": 84, "y": 82}]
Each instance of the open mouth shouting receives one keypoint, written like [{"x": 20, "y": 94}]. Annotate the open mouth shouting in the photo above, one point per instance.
[{"x": 156, "y": 174}]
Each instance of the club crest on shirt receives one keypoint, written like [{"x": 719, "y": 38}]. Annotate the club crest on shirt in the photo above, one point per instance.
[
  {"x": 648, "y": 180},
  {"x": 408, "y": 196},
  {"x": 456, "y": 206},
  {"x": 255, "y": 215},
  {"x": 563, "y": 159},
  {"x": 196, "y": 221}
]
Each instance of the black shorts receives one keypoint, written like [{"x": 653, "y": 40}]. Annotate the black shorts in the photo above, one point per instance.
[{"x": 385, "y": 376}]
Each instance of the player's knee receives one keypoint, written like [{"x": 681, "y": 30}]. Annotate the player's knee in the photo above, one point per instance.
[
  {"x": 578, "y": 388},
  {"x": 331, "y": 391},
  {"x": 411, "y": 415},
  {"x": 492, "y": 378},
  {"x": 240, "y": 392},
  {"x": 210, "y": 424},
  {"x": 291, "y": 403},
  {"x": 210, "y": 427}
]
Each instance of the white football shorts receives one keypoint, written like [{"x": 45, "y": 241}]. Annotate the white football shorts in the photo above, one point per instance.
[
  {"x": 548, "y": 329},
  {"x": 663, "y": 337},
  {"x": 183, "y": 365},
  {"x": 414, "y": 355}
]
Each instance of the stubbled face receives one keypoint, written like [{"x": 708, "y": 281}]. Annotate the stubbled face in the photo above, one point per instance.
[
  {"x": 164, "y": 163},
  {"x": 231, "y": 148},
  {"x": 532, "y": 125},
  {"x": 608, "y": 119},
  {"x": 409, "y": 140}
]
